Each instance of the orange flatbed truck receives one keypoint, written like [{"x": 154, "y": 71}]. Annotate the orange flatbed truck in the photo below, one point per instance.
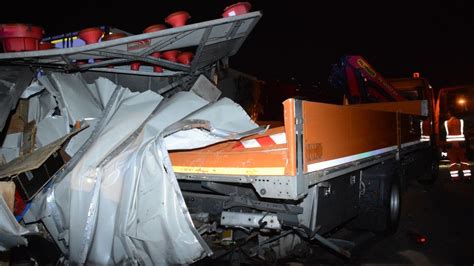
[{"x": 328, "y": 166}]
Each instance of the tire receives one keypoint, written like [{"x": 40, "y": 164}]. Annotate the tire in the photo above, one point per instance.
[
  {"x": 380, "y": 206},
  {"x": 394, "y": 208}
]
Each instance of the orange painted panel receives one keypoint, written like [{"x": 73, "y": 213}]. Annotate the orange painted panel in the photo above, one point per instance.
[
  {"x": 226, "y": 159},
  {"x": 330, "y": 132},
  {"x": 333, "y": 131}
]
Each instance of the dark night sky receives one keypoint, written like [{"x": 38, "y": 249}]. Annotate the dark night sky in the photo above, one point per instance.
[{"x": 301, "y": 38}]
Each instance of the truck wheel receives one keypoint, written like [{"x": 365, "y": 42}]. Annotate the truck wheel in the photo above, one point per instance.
[
  {"x": 394, "y": 208},
  {"x": 380, "y": 206}
]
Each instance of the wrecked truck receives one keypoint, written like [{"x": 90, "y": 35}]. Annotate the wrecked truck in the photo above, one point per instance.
[{"x": 145, "y": 167}]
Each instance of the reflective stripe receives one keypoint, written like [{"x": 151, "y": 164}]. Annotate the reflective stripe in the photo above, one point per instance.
[
  {"x": 251, "y": 143},
  {"x": 425, "y": 138},
  {"x": 279, "y": 138},
  {"x": 330, "y": 163},
  {"x": 465, "y": 163},
  {"x": 275, "y": 139},
  {"x": 455, "y": 139},
  {"x": 452, "y": 164}
]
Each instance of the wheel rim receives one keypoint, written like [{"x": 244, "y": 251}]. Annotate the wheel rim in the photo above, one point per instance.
[{"x": 394, "y": 204}]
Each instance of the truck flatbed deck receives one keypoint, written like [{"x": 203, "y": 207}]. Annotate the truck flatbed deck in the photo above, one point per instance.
[{"x": 330, "y": 141}]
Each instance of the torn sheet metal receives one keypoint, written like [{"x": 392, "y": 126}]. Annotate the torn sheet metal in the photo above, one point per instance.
[
  {"x": 153, "y": 217},
  {"x": 225, "y": 117},
  {"x": 105, "y": 89},
  {"x": 206, "y": 89},
  {"x": 12, "y": 140},
  {"x": 33, "y": 89},
  {"x": 77, "y": 141},
  {"x": 40, "y": 106},
  {"x": 121, "y": 202},
  {"x": 165, "y": 224},
  {"x": 73, "y": 194},
  {"x": 144, "y": 173},
  {"x": 11, "y": 231},
  {"x": 8, "y": 154},
  {"x": 78, "y": 101},
  {"x": 50, "y": 129},
  {"x": 74, "y": 95},
  {"x": 11, "y": 145}
]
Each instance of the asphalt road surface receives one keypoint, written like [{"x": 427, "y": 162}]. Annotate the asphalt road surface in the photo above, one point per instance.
[{"x": 443, "y": 213}]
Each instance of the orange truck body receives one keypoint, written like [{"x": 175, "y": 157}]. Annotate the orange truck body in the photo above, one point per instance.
[{"x": 332, "y": 137}]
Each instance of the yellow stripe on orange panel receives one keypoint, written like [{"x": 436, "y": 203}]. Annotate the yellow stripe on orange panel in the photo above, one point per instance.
[{"x": 230, "y": 170}]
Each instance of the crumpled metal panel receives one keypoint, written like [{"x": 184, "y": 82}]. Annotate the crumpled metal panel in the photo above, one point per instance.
[
  {"x": 120, "y": 201},
  {"x": 50, "y": 129},
  {"x": 104, "y": 89},
  {"x": 224, "y": 115},
  {"x": 75, "y": 96},
  {"x": 40, "y": 106},
  {"x": 84, "y": 182}
]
